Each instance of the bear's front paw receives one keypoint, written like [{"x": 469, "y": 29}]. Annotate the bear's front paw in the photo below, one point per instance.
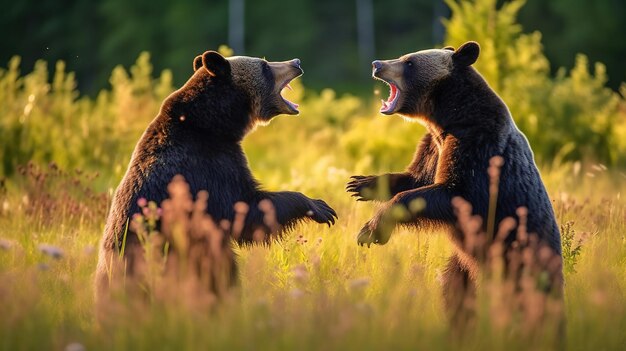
[
  {"x": 321, "y": 212},
  {"x": 363, "y": 187},
  {"x": 365, "y": 236},
  {"x": 373, "y": 233}
]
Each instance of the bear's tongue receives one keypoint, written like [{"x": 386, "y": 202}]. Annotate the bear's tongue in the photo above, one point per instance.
[{"x": 390, "y": 104}]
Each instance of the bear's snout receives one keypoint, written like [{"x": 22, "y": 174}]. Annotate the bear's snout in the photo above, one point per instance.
[{"x": 376, "y": 65}]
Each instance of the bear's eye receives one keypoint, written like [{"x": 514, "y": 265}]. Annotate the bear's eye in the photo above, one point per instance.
[
  {"x": 408, "y": 63},
  {"x": 266, "y": 67}
]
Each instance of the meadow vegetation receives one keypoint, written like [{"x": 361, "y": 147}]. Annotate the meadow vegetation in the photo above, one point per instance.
[{"x": 62, "y": 154}]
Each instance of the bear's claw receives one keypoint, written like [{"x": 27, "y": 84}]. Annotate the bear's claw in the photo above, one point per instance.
[
  {"x": 360, "y": 185},
  {"x": 378, "y": 234},
  {"x": 366, "y": 236},
  {"x": 323, "y": 213}
]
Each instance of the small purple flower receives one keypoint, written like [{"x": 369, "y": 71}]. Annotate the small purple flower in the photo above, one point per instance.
[
  {"x": 142, "y": 202},
  {"x": 51, "y": 251}
]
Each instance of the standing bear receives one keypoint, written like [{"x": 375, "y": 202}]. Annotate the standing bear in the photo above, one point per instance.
[
  {"x": 467, "y": 125},
  {"x": 198, "y": 134}
]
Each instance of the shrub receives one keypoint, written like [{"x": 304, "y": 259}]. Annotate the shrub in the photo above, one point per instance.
[
  {"x": 47, "y": 121},
  {"x": 569, "y": 116}
]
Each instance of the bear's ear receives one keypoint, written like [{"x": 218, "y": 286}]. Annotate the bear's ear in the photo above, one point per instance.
[
  {"x": 216, "y": 64},
  {"x": 466, "y": 54},
  {"x": 197, "y": 63},
  {"x": 451, "y": 48}
]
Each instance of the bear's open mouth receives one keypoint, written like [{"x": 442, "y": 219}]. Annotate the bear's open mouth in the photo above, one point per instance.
[
  {"x": 389, "y": 106},
  {"x": 292, "y": 105}
]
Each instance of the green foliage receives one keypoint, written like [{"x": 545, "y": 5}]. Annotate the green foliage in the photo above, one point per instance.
[
  {"x": 93, "y": 37},
  {"x": 566, "y": 117},
  {"x": 572, "y": 246},
  {"x": 44, "y": 120},
  {"x": 571, "y": 116},
  {"x": 573, "y": 26}
]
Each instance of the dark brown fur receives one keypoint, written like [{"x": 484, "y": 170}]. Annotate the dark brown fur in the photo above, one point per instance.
[
  {"x": 198, "y": 134},
  {"x": 467, "y": 125}
]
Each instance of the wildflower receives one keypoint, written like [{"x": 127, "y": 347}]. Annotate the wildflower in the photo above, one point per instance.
[
  {"x": 599, "y": 167},
  {"x": 296, "y": 293},
  {"x": 51, "y": 251},
  {"x": 5, "y": 244},
  {"x": 137, "y": 220},
  {"x": 89, "y": 250},
  {"x": 576, "y": 168},
  {"x": 75, "y": 346},
  {"x": 142, "y": 202},
  {"x": 359, "y": 283},
  {"x": 300, "y": 273}
]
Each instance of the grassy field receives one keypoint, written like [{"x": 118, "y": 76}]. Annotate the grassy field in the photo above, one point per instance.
[{"x": 316, "y": 289}]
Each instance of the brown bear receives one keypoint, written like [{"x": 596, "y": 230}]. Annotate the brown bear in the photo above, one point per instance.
[
  {"x": 467, "y": 125},
  {"x": 198, "y": 134}
]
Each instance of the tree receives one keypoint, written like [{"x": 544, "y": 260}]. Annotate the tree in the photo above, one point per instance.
[
  {"x": 236, "y": 25},
  {"x": 566, "y": 117}
]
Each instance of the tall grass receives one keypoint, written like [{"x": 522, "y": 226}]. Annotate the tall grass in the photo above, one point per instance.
[{"x": 316, "y": 289}]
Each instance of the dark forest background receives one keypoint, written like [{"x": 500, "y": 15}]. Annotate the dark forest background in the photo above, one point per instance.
[{"x": 335, "y": 39}]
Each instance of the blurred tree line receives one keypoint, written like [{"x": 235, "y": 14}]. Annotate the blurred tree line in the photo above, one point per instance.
[
  {"x": 570, "y": 116},
  {"x": 92, "y": 37}
]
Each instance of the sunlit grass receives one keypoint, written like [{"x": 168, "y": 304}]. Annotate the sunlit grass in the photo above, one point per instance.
[{"x": 316, "y": 289}]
